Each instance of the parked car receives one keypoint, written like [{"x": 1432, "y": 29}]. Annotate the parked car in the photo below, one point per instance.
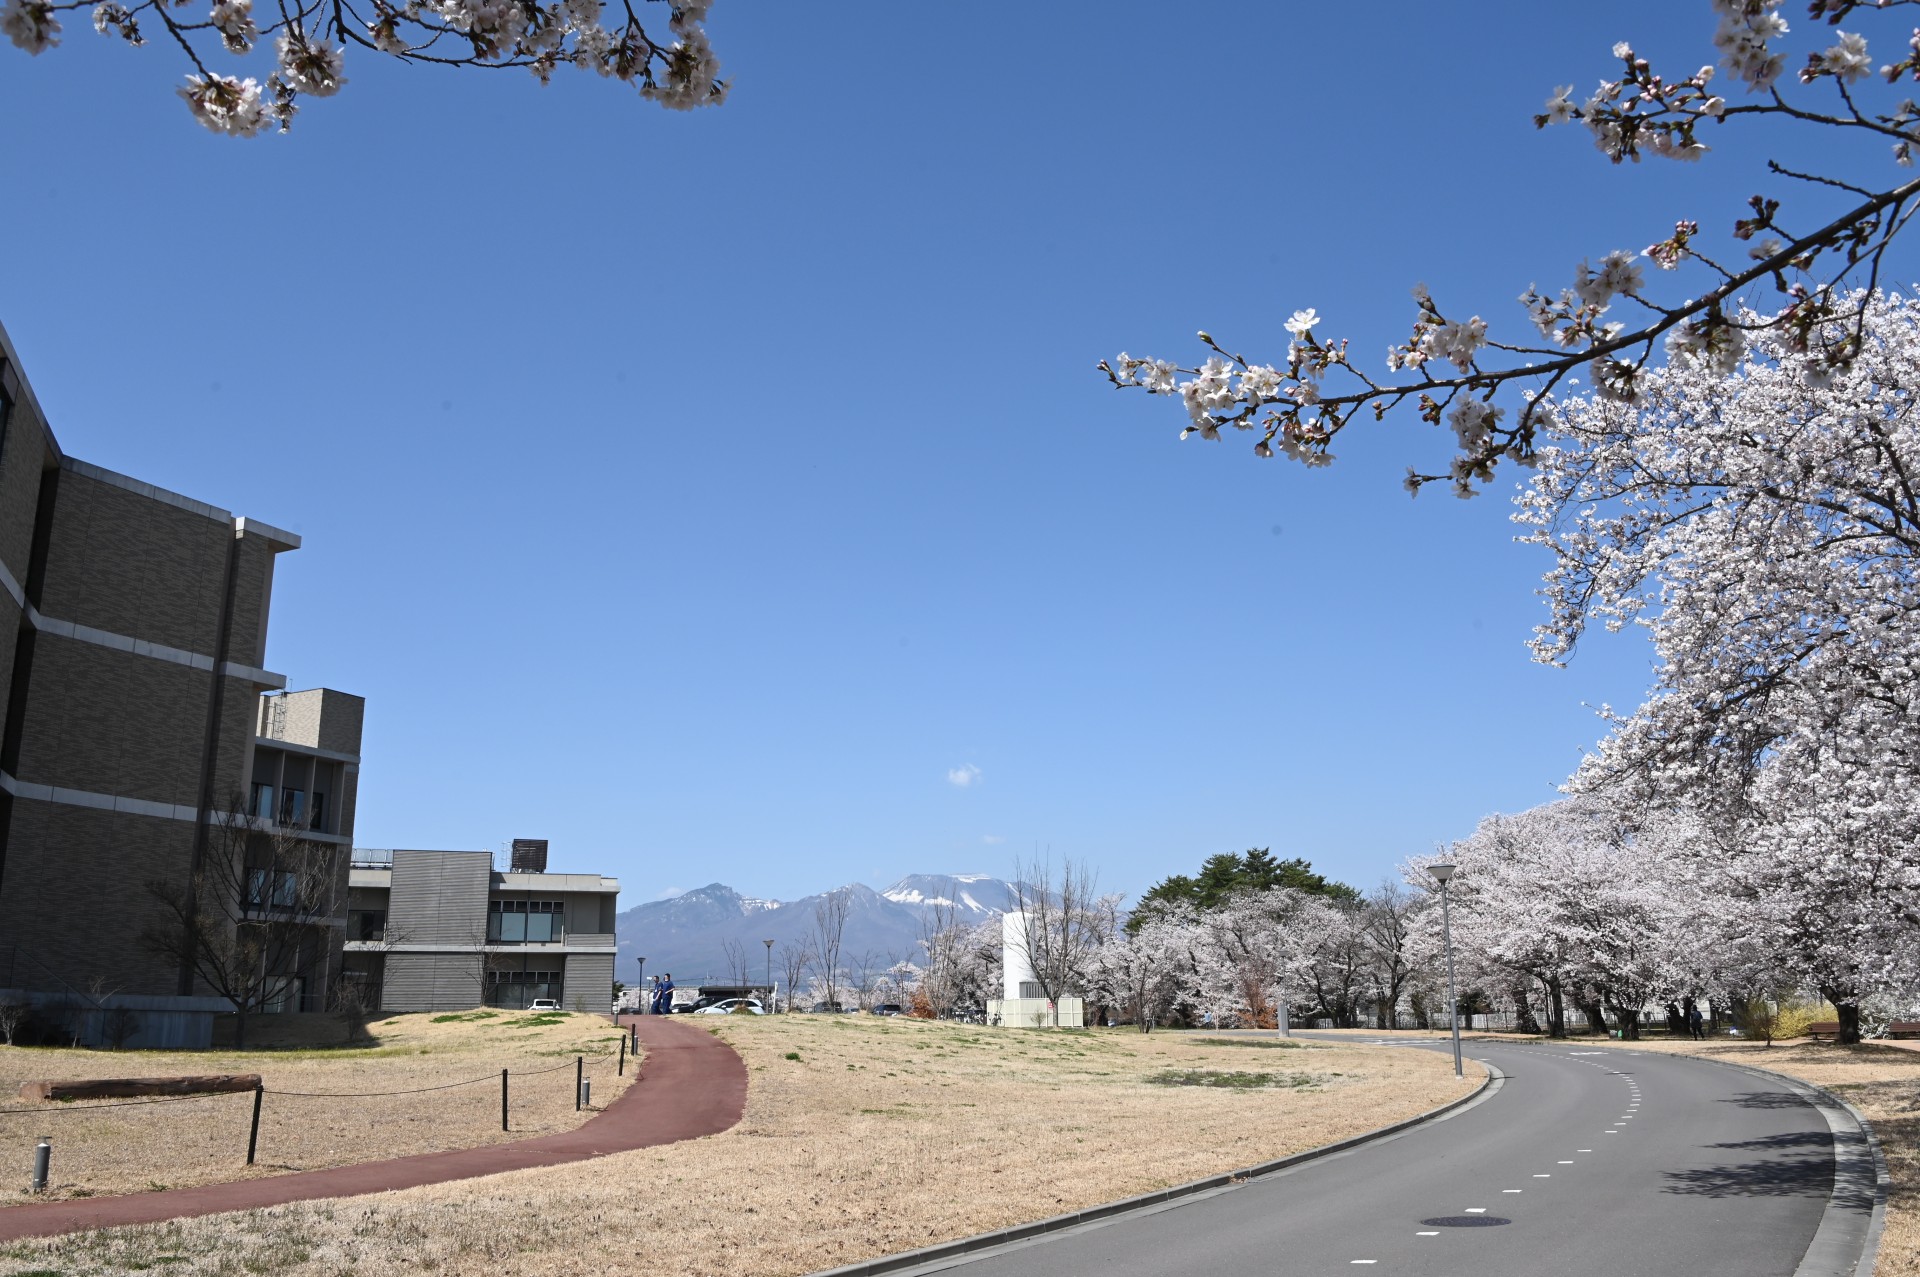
[
  {"x": 727, "y": 1006},
  {"x": 825, "y": 1008},
  {"x": 889, "y": 1008},
  {"x": 544, "y": 1004}
]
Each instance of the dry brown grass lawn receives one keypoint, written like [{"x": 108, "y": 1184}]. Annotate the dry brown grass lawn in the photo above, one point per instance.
[
  {"x": 134, "y": 1147},
  {"x": 1883, "y": 1082},
  {"x": 881, "y": 1136}
]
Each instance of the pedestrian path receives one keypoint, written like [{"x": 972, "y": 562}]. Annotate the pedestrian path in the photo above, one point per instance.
[{"x": 691, "y": 1084}]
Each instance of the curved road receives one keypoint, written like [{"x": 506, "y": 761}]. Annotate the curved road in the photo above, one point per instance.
[{"x": 1606, "y": 1163}]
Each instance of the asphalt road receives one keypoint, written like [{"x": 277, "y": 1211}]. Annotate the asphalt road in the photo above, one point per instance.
[{"x": 1608, "y": 1163}]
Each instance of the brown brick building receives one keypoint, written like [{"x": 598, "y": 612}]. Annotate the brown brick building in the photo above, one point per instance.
[{"x": 134, "y": 712}]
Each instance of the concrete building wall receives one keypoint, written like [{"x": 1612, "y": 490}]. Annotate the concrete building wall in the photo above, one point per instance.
[
  {"x": 320, "y": 719},
  {"x": 133, "y": 626},
  {"x": 129, "y": 564},
  {"x": 77, "y": 915}
]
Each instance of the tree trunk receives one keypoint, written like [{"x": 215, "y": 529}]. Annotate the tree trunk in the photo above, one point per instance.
[
  {"x": 1523, "y": 1018},
  {"x": 1849, "y": 1010},
  {"x": 1629, "y": 1022},
  {"x": 1556, "y": 1008}
]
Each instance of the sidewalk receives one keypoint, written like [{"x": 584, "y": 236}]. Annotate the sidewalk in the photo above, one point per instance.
[{"x": 691, "y": 1084}]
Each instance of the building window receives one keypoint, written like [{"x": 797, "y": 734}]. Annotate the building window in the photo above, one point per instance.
[
  {"x": 269, "y": 887},
  {"x": 520, "y": 988},
  {"x": 369, "y": 925},
  {"x": 293, "y": 808},
  {"x": 262, "y": 805},
  {"x": 319, "y": 820},
  {"x": 526, "y": 921}
]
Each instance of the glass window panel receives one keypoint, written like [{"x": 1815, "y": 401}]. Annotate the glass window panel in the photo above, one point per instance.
[{"x": 513, "y": 927}]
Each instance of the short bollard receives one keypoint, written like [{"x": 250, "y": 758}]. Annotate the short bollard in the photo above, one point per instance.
[
  {"x": 586, "y": 1092},
  {"x": 503, "y": 1099},
  {"x": 622, "y": 1070},
  {"x": 42, "y": 1161},
  {"x": 579, "y": 1079},
  {"x": 253, "y": 1135}
]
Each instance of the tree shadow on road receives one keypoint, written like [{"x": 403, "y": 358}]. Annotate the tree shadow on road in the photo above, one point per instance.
[
  {"x": 1783, "y": 1140},
  {"x": 1766, "y": 1100},
  {"x": 1807, "y": 1175}
]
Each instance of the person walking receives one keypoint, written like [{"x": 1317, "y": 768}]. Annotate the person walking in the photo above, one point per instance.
[
  {"x": 1695, "y": 1021},
  {"x": 666, "y": 994}
]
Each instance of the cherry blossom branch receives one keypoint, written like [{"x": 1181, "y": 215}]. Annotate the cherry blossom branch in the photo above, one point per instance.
[
  {"x": 540, "y": 36},
  {"x": 1291, "y": 409}
]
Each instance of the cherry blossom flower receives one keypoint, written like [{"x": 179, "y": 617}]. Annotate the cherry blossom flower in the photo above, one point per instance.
[
  {"x": 30, "y": 25},
  {"x": 310, "y": 64},
  {"x": 226, "y": 105}
]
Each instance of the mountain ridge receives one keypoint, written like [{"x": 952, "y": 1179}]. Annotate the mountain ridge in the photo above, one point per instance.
[{"x": 688, "y": 935}]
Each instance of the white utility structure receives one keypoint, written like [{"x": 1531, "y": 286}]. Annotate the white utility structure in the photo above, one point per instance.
[{"x": 1022, "y": 1003}]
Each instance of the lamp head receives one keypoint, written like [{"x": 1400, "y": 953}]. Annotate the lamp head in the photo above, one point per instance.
[{"x": 1441, "y": 872}]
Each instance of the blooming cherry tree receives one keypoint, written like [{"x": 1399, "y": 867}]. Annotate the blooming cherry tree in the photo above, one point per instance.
[
  {"x": 674, "y": 67},
  {"x": 1608, "y": 320},
  {"x": 1764, "y": 528}
]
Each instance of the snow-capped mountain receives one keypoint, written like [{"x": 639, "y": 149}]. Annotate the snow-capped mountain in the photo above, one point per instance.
[
  {"x": 689, "y": 934},
  {"x": 976, "y": 896}
]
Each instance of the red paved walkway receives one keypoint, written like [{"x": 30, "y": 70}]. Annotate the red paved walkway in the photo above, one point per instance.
[{"x": 691, "y": 1084}]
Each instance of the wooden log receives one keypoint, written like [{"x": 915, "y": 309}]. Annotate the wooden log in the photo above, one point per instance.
[{"x": 119, "y": 1087}]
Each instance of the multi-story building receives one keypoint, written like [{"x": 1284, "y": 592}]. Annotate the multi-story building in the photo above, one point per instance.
[
  {"x": 136, "y": 716},
  {"x": 444, "y": 931}
]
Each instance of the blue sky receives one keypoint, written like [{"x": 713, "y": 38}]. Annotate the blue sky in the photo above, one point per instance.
[{"x": 702, "y": 491}]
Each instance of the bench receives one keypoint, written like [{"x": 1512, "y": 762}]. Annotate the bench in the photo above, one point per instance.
[{"x": 1831, "y": 1029}]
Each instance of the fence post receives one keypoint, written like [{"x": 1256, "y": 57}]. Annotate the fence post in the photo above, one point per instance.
[
  {"x": 503, "y": 1099},
  {"x": 579, "y": 1074},
  {"x": 42, "y": 1163},
  {"x": 622, "y": 1070},
  {"x": 253, "y": 1133}
]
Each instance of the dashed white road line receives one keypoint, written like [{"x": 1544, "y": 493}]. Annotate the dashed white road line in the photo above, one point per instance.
[{"x": 1433, "y": 1234}]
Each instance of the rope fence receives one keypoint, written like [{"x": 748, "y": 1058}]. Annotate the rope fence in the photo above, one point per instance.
[{"x": 579, "y": 1063}]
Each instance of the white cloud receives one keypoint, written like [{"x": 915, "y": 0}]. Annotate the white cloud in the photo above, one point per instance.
[
  {"x": 993, "y": 840},
  {"x": 964, "y": 775}
]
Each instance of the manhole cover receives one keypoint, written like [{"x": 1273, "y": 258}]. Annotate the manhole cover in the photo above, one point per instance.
[{"x": 1465, "y": 1221}]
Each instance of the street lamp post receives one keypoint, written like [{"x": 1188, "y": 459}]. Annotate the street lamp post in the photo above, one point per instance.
[
  {"x": 1442, "y": 873},
  {"x": 642, "y": 986},
  {"x": 1281, "y": 1027},
  {"x": 770, "y": 1000}
]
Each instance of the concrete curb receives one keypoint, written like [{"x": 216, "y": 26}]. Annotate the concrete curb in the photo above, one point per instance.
[
  {"x": 1845, "y": 1244},
  {"x": 1159, "y": 1198}
]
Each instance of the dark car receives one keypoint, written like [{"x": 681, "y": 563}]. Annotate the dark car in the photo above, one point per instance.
[
  {"x": 889, "y": 1008},
  {"x": 825, "y": 1008}
]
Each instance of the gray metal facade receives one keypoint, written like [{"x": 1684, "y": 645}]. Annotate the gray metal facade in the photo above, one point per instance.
[
  {"x": 439, "y": 897},
  {"x": 432, "y": 981}
]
